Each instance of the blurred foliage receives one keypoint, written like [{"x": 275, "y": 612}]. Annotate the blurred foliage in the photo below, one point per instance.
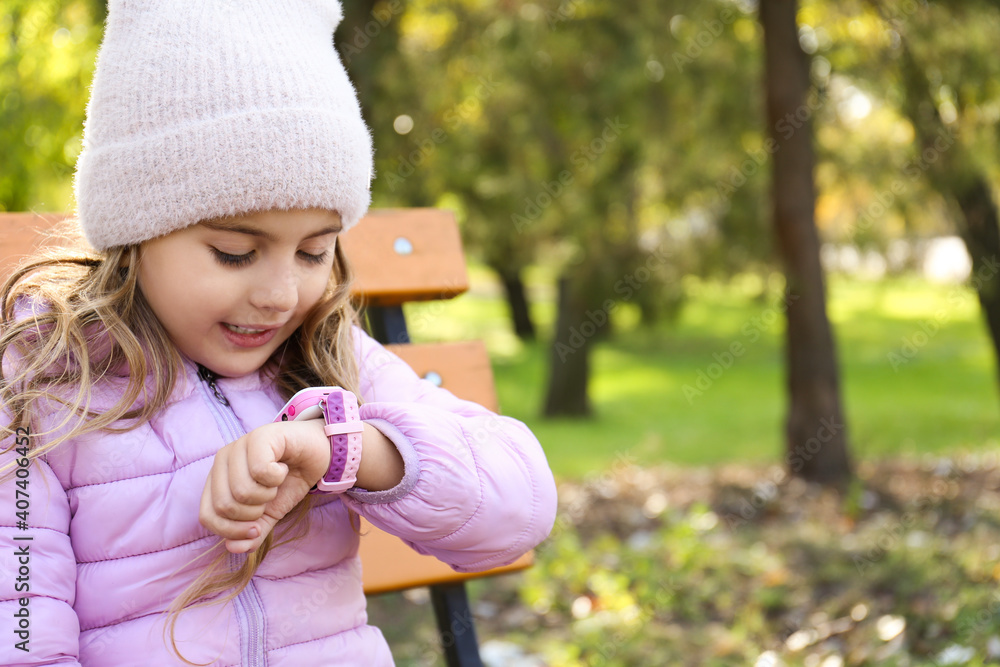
[
  {"x": 917, "y": 372},
  {"x": 722, "y": 568},
  {"x": 873, "y": 178},
  {"x": 47, "y": 53},
  {"x": 587, "y": 130},
  {"x": 767, "y": 576}
]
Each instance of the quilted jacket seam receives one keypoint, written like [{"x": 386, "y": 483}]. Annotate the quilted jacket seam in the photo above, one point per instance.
[
  {"x": 289, "y": 576},
  {"x": 482, "y": 491},
  {"x": 145, "y": 553},
  {"x": 514, "y": 548},
  {"x": 49, "y": 597},
  {"x": 151, "y": 474}
]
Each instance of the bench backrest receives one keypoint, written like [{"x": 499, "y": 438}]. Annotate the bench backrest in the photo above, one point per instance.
[{"x": 398, "y": 256}]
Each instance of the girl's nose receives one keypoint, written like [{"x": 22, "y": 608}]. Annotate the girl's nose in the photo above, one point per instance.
[{"x": 276, "y": 291}]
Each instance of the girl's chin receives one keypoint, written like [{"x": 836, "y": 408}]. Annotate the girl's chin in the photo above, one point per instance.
[
  {"x": 234, "y": 369},
  {"x": 236, "y": 363}
]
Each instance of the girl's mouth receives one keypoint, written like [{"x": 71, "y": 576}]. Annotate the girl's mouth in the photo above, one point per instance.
[
  {"x": 246, "y": 336},
  {"x": 243, "y": 330}
]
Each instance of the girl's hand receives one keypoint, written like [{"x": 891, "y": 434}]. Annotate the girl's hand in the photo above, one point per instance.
[{"x": 259, "y": 478}]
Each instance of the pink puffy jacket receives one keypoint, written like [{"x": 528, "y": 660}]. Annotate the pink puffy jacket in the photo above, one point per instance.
[{"x": 114, "y": 531}]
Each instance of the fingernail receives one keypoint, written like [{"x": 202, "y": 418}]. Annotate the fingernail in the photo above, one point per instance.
[{"x": 253, "y": 532}]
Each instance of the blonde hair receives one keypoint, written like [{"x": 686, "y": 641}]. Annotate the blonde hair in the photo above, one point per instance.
[{"x": 89, "y": 320}]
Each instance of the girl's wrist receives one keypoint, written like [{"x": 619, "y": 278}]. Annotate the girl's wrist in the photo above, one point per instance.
[
  {"x": 381, "y": 465},
  {"x": 312, "y": 449}
]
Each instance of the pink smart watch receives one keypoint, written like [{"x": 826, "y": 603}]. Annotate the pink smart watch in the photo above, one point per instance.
[{"x": 339, "y": 409}]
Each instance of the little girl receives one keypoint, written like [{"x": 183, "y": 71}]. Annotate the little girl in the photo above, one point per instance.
[{"x": 153, "y": 511}]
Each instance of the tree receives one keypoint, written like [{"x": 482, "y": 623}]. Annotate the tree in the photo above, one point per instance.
[
  {"x": 930, "y": 67},
  {"x": 588, "y": 138},
  {"x": 955, "y": 175},
  {"x": 816, "y": 438},
  {"x": 47, "y": 52}
]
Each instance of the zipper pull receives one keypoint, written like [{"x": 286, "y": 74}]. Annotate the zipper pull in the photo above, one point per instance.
[{"x": 209, "y": 377}]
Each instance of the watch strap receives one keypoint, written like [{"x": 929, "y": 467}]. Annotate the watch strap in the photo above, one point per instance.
[{"x": 344, "y": 428}]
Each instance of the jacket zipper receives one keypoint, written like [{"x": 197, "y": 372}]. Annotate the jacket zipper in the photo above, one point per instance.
[
  {"x": 210, "y": 377},
  {"x": 248, "y": 607}
]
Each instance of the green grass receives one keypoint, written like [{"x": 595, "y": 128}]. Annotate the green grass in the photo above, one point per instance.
[{"x": 917, "y": 373}]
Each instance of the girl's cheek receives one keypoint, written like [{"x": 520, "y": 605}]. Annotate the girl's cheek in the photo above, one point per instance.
[{"x": 316, "y": 294}]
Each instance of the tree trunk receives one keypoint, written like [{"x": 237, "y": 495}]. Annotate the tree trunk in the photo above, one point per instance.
[
  {"x": 981, "y": 232},
  {"x": 569, "y": 359},
  {"x": 816, "y": 438},
  {"x": 950, "y": 171},
  {"x": 517, "y": 303}
]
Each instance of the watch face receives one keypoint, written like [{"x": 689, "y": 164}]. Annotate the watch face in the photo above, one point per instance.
[{"x": 305, "y": 404}]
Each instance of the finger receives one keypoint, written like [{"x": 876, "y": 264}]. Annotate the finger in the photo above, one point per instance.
[
  {"x": 224, "y": 505},
  {"x": 222, "y": 526},
  {"x": 237, "y": 530},
  {"x": 262, "y": 527},
  {"x": 290, "y": 493},
  {"x": 263, "y": 452},
  {"x": 242, "y": 546},
  {"x": 243, "y": 487}
]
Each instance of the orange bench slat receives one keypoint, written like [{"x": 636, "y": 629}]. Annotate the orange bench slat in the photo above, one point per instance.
[
  {"x": 388, "y": 564},
  {"x": 434, "y": 268},
  {"x": 464, "y": 368}
]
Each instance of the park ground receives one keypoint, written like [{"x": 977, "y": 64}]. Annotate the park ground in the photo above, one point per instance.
[{"x": 679, "y": 540}]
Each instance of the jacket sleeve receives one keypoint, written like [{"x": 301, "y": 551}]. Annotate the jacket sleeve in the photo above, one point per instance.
[
  {"x": 477, "y": 491},
  {"x": 37, "y": 565}
]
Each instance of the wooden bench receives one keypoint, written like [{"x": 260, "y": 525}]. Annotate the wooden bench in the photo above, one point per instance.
[{"x": 399, "y": 256}]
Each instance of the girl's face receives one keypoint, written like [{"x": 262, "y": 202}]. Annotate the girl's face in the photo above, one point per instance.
[{"x": 229, "y": 291}]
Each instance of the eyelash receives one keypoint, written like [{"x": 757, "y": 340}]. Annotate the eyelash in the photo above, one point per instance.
[
  {"x": 232, "y": 260},
  {"x": 314, "y": 259},
  {"x": 227, "y": 259}
]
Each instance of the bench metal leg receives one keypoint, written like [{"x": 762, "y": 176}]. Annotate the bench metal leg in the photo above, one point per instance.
[
  {"x": 456, "y": 626},
  {"x": 388, "y": 325}
]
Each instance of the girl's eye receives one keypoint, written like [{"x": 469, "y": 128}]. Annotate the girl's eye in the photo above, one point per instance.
[
  {"x": 227, "y": 259},
  {"x": 314, "y": 259}
]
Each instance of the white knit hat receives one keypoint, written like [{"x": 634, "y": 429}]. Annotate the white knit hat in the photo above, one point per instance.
[{"x": 208, "y": 108}]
